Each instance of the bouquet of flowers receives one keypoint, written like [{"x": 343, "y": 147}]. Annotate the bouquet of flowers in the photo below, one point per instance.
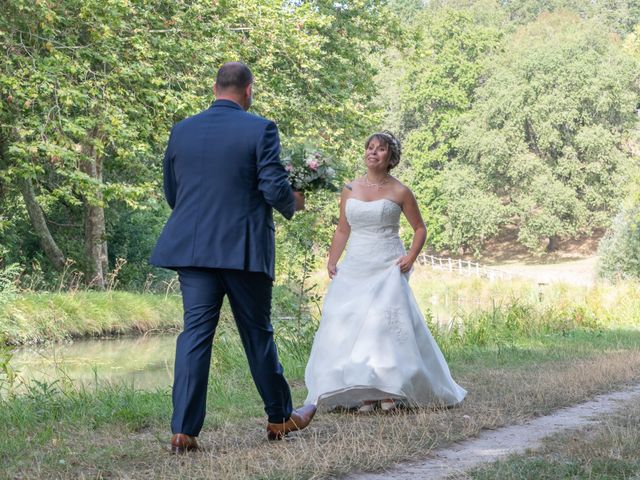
[{"x": 309, "y": 169}]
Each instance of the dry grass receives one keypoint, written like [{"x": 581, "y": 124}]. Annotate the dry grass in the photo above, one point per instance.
[{"x": 336, "y": 444}]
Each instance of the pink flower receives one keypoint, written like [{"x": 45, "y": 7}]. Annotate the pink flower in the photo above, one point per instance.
[
  {"x": 313, "y": 165},
  {"x": 288, "y": 167}
]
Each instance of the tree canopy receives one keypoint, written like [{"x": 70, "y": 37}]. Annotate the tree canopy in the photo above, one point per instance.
[
  {"x": 90, "y": 89},
  {"x": 513, "y": 115},
  {"x": 548, "y": 129}
]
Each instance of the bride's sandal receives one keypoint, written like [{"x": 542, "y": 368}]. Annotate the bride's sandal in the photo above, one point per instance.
[
  {"x": 367, "y": 407},
  {"x": 388, "y": 405}
]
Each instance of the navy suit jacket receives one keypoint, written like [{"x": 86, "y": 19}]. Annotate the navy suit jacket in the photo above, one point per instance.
[{"x": 222, "y": 177}]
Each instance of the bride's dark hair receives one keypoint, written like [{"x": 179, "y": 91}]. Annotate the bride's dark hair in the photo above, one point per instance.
[{"x": 390, "y": 140}]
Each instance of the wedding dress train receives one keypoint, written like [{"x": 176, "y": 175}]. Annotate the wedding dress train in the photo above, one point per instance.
[{"x": 373, "y": 342}]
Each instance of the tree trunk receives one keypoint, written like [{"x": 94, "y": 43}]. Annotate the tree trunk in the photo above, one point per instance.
[
  {"x": 40, "y": 227},
  {"x": 553, "y": 243},
  {"x": 95, "y": 245},
  {"x": 105, "y": 254}
]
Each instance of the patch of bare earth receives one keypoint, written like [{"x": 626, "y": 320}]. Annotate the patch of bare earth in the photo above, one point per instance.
[
  {"x": 574, "y": 272},
  {"x": 505, "y": 248},
  {"x": 338, "y": 444},
  {"x": 574, "y": 261}
]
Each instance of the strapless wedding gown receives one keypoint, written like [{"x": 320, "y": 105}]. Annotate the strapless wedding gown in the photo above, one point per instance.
[{"x": 373, "y": 342}]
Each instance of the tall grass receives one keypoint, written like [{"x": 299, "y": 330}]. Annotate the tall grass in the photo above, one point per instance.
[
  {"x": 37, "y": 317},
  {"x": 502, "y": 314},
  {"x": 8, "y": 288},
  {"x": 33, "y": 317}
]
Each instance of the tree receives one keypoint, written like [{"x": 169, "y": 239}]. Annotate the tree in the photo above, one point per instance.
[
  {"x": 407, "y": 10},
  {"x": 89, "y": 90},
  {"x": 470, "y": 212},
  {"x": 619, "y": 250},
  {"x": 548, "y": 128},
  {"x": 632, "y": 43},
  {"x": 441, "y": 77},
  {"x": 618, "y": 15}
]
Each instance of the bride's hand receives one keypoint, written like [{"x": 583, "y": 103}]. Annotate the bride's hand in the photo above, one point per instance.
[
  {"x": 332, "y": 269},
  {"x": 405, "y": 263}
]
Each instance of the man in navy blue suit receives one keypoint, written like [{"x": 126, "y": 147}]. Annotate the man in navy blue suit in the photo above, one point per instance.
[{"x": 222, "y": 179}]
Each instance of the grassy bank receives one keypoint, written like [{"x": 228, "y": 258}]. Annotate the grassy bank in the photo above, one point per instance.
[
  {"x": 39, "y": 317},
  {"x": 30, "y": 317},
  {"x": 460, "y": 306}
]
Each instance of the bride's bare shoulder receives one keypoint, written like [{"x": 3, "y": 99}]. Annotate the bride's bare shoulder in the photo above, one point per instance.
[
  {"x": 398, "y": 186},
  {"x": 401, "y": 191}
]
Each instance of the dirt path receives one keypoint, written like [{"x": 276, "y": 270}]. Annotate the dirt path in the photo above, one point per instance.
[
  {"x": 494, "y": 445},
  {"x": 575, "y": 272}
]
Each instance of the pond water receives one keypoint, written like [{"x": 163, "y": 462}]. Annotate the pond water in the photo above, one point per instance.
[{"x": 145, "y": 362}]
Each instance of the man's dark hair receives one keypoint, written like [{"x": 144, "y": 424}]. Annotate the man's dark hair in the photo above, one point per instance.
[{"x": 233, "y": 76}]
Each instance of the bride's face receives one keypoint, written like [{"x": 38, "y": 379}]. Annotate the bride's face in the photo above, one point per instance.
[{"x": 376, "y": 155}]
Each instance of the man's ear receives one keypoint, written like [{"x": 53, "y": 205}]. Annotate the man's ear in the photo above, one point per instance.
[{"x": 215, "y": 89}]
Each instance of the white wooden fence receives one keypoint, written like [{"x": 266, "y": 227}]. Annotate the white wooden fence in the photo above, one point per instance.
[{"x": 464, "y": 267}]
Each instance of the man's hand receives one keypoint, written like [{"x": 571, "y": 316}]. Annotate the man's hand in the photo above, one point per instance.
[{"x": 299, "y": 196}]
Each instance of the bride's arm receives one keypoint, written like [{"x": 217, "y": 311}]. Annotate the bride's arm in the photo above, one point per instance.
[
  {"x": 412, "y": 213},
  {"x": 341, "y": 235}
]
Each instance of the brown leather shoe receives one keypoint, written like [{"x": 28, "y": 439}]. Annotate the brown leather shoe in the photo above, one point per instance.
[
  {"x": 183, "y": 443},
  {"x": 299, "y": 419}
]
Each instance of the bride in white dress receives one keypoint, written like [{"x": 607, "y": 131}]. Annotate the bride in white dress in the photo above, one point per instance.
[{"x": 373, "y": 347}]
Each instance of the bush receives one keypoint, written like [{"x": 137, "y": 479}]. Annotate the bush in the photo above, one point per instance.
[
  {"x": 619, "y": 250},
  {"x": 8, "y": 277}
]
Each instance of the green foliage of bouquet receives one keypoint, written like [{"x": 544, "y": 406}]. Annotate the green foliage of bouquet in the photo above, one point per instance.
[{"x": 309, "y": 168}]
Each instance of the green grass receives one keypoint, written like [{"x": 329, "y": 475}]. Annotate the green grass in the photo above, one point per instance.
[
  {"x": 555, "y": 347},
  {"x": 30, "y": 317},
  {"x": 39, "y": 317}
]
